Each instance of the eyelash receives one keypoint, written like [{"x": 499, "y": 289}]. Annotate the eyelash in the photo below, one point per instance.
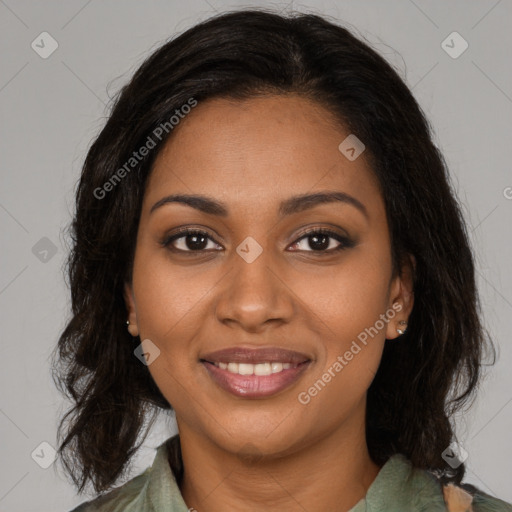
[{"x": 345, "y": 243}]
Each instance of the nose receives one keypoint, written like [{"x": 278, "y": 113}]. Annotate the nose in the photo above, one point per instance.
[{"x": 255, "y": 295}]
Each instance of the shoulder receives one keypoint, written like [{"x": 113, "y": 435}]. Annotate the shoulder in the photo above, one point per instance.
[
  {"x": 469, "y": 497},
  {"x": 125, "y": 498},
  {"x": 483, "y": 502},
  {"x": 153, "y": 490},
  {"x": 412, "y": 488}
]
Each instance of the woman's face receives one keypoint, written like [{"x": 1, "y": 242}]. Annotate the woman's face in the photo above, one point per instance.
[{"x": 253, "y": 278}]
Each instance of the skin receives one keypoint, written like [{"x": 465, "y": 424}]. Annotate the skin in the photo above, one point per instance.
[{"x": 251, "y": 155}]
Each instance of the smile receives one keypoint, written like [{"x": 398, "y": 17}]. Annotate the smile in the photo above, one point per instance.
[
  {"x": 253, "y": 381},
  {"x": 255, "y": 369}
]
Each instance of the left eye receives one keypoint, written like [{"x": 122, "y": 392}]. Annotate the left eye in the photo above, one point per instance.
[
  {"x": 193, "y": 241},
  {"x": 320, "y": 240}
]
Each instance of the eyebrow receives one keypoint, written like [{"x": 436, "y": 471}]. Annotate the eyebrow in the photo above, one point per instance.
[{"x": 289, "y": 206}]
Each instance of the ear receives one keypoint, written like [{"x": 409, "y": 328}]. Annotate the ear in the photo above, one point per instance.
[
  {"x": 129, "y": 300},
  {"x": 401, "y": 297}
]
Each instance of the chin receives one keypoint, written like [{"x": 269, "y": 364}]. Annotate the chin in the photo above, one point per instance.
[{"x": 254, "y": 445}]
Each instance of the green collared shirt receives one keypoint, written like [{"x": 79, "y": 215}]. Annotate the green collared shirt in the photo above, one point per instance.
[{"x": 398, "y": 487}]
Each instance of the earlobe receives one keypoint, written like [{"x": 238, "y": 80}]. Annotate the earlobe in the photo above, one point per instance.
[
  {"x": 131, "y": 321},
  {"x": 402, "y": 299}
]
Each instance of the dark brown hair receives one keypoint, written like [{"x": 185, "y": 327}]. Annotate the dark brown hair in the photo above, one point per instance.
[{"x": 424, "y": 377}]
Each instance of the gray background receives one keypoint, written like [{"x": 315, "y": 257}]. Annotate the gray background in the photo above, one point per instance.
[{"x": 51, "y": 108}]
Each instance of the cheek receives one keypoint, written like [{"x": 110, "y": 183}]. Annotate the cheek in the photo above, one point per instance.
[
  {"x": 351, "y": 296},
  {"x": 168, "y": 305},
  {"x": 167, "y": 298},
  {"x": 352, "y": 348},
  {"x": 345, "y": 309}
]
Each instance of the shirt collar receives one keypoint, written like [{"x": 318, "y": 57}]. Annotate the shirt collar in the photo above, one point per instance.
[{"x": 398, "y": 486}]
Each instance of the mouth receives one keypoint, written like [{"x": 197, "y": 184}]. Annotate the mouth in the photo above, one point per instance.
[{"x": 255, "y": 373}]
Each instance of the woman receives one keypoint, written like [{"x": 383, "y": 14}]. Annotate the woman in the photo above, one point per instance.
[{"x": 267, "y": 241}]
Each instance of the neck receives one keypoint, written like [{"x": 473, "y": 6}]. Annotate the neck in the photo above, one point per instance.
[{"x": 331, "y": 473}]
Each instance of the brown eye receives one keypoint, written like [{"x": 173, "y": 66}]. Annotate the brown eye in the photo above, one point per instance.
[
  {"x": 323, "y": 240},
  {"x": 189, "y": 240}
]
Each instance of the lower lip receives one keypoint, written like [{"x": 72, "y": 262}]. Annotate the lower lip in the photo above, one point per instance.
[{"x": 254, "y": 386}]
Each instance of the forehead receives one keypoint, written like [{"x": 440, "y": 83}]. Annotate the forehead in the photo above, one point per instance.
[{"x": 265, "y": 148}]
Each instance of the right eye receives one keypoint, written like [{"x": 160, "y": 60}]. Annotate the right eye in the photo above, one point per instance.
[{"x": 188, "y": 240}]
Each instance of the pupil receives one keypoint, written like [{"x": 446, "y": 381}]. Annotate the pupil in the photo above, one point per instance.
[
  {"x": 324, "y": 244},
  {"x": 197, "y": 245}
]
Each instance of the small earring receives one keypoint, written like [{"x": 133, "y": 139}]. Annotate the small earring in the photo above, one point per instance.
[
  {"x": 132, "y": 329},
  {"x": 401, "y": 331}
]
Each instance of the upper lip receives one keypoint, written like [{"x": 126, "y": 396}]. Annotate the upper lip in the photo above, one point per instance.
[{"x": 255, "y": 355}]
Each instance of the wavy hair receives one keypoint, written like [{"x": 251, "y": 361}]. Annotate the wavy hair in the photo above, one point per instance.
[{"x": 424, "y": 377}]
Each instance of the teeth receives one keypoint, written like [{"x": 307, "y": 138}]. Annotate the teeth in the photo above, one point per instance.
[
  {"x": 262, "y": 369},
  {"x": 277, "y": 367},
  {"x": 245, "y": 369},
  {"x": 255, "y": 369}
]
